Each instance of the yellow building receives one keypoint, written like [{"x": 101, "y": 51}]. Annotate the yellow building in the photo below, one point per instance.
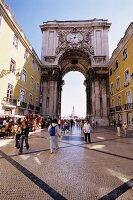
[
  {"x": 20, "y": 68},
  {"x": 121, "y": 79}
]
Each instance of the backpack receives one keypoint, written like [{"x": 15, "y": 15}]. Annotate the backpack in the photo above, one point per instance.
[{"x": 52, "y": 130}]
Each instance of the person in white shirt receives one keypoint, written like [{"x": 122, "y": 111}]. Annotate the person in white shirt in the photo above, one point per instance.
[
  {"x": 87, "y": 131},
  {"x": 54, "y": 138}
]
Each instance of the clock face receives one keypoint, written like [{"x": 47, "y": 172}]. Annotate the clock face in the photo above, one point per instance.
[{"x": 74, "y": 37}]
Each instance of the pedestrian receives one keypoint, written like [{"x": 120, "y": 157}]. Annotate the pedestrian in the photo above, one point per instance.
[
  {"x": 24, "y": 136},
  {"x": 81, "y": 126},
  {"x": 54, "y": 133},
  {"x": 18, "y": 135},
  {"x": 87, "y": 131},
  {"x": 59, "y": 122},
  {"x": 114, "y": 122},
  {"x": 96, "y": 124},
  {"x": 93, "y": 124},
  {"x": 125, "y": 126},
  {"x": 118, "y": 128}
]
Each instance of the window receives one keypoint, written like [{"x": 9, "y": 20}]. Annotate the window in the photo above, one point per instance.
[
  {"x": 37, "y": 101},
  {"x": 22, "y": 95},
  {"x": 112, "y": 103},
  {"x": 30, "y": 99},
  {"x": 15, "y": 41},
  {"x": 26, "y": 54},
  {"x": 111, "y": 88},
  {"x": 128, "y": 97},
  {"x": 118, "y": 83},
  {"x": 119, "y": 101},
  {"x": 124, "y": 54},
  {"x": 38, "y": 70},
  {"x": 116, "y": 64},
  {"x": 12, "y": 66},
  {"x": 110, "y": 71},
  {"x": 32, "y": 81},
  {"x": 33, "y": 64},
  {"x": 127, "y": 77},
  {"x": 24, "y": 75},
  {"x": 9, "y": 91},
  {"x": 37, "y": 87}
]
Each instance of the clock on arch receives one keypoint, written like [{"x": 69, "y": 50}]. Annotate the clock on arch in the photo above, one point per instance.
[{"x": 74, "y": 37}]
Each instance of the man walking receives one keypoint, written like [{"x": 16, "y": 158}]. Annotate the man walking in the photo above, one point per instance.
[
  {"x": 54, "y": 132},
  {"x": 87, "y": 131}
]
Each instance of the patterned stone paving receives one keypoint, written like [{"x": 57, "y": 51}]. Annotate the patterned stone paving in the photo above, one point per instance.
[{"x": 77, "y": 171}]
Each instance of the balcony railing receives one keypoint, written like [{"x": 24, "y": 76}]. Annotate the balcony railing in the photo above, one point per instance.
[
  {"x": 37, "y": 108},
  {"x": 128, "y": 106},
  {"x": 9, "y": 101},
  {"x": 112, "y": 109},
  {"x": 30, "y": 106},
  {"x": 126, "y": 84},
  {"x": 23, "y": 104},
  {"x": 118, "y": 108}
]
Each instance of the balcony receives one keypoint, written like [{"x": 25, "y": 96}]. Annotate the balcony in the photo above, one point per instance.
[
  {"x": 30, "y": 107},
  {"x": 37, "y": 108},
  {"x": 126, "y": 84},
  {"x": 112, "y": 109},
  {"x": 118, "y": 108},
  {"x": 23, "y": 104},
  {"x": 128, "y": 106},
  {"x": 9, "y": 102}
]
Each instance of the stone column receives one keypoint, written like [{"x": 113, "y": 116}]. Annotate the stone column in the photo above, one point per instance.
[
  {"x": 87, "y": 83},
  {"x": 53, "y": 98},
  {"x": 97, "y": 98},
  {"x": 93, "y": 99},
  {"x": 104, "y": 98},
  {"x": 60, "y": 84},
  {"x": 44, "y": 99},
  {"x": 51, "y": 92}
]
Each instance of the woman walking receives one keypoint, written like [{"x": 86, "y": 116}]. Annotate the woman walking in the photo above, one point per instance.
[{"x": 24, "y": 136}]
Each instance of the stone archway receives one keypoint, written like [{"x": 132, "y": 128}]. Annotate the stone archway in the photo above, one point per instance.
[
  {"x": 75, "y": 47},
  {"x": 77, "y": 60}
]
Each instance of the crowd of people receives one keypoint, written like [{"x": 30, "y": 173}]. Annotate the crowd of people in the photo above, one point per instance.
[
  {"x": 120, "y": 126},
  {"x": 19, "y": 129},
  {"x": 64, "y": 126}
]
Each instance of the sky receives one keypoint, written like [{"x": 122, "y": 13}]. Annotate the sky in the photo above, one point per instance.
[{"x": 30, "y": 14}]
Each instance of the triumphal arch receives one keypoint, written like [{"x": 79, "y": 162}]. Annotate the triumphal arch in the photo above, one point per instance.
[{"x": 75, "y": 46}]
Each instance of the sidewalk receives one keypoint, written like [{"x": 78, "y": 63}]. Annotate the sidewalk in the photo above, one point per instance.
[{"x": 77, "y": 171}]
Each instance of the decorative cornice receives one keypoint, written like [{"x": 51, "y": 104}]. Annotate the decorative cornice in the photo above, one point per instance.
[{"x": 75, "y": 23}]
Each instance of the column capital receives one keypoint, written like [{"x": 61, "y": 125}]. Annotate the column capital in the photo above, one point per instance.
[{"x": 50, "y": 74}]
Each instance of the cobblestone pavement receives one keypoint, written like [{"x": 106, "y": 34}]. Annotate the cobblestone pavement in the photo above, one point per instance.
[{"x": 76, "y": 171}]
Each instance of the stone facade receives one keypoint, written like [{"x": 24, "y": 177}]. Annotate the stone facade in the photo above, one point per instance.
[{"x": 76, "y": 46}]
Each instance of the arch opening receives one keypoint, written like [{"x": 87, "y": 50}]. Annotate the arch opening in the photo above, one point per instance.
[
  {"x": 74, "y": 60},
  {"x": 73, "y": 97}
]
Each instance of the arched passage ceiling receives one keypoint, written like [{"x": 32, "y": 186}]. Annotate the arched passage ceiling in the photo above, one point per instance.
[{"x": 74, "y": 60}]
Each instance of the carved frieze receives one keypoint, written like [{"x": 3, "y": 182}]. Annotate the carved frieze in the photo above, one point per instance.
[
  {"x": 51, "y": 73},
  {"x": 75, "y": 38},
  {"x": 99, "y": 59},
  {"x": 49, "y": 59}
]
